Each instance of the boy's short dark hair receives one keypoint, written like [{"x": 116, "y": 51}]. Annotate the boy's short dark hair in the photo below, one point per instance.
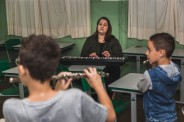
[
  {"x": 164, "y": 41},
  {"x": 40, "y": 55}
]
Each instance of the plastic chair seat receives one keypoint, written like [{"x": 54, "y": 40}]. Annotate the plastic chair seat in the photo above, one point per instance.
[
  {"x": 4, "y": 65},
  {"x": 120, "y": 105},
  {"x": 11, "y": 53},
  {"x": 5, "y": 87},
  {"x": 11, "y": 91}
]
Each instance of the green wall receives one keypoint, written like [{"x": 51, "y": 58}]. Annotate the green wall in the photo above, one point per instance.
[
  {"x": 98, "y": 9},
  {"x": 116, "y": 11},
  {"x": 3, "y": 27}
]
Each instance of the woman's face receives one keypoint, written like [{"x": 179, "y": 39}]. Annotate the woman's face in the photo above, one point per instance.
[{"x": 102, "y": 27}]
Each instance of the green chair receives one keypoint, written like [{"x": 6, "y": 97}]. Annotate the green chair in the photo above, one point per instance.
[
  {"x": 86, "y": 87},
  {"x": 11, "y": 53},
  {"x": 61, "y": 68},
  {"x": 11, "y": 91},
  {"x": 4, "y": 65},
  {"x": 6, "y": 88},
  {"x": 118, "y": 104}
]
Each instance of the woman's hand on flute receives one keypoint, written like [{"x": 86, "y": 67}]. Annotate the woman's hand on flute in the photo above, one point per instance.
[{"x": 63, "y": 84}]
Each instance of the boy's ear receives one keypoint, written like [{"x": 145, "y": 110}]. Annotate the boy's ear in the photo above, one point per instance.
[
  {"x": 162, "y": 53},
  {"x": 22, "y": 70}
]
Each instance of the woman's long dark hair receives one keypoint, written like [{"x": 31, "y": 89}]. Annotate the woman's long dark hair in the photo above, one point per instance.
[{"x": 108, "y": 35}]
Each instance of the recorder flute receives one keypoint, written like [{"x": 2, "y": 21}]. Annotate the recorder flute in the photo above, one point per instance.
[{"x": 73, "y": 76}]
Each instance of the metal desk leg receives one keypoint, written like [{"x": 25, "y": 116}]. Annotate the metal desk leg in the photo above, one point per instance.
[
  {"x": 133, "y": 108},
  {"x": 138, "y": 64},
  {"x": 182, "y": 82},
  {"x": 21, "y": 90}
]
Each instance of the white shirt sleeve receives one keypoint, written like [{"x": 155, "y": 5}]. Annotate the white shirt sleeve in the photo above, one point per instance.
[{"x": 145, "y": 83}]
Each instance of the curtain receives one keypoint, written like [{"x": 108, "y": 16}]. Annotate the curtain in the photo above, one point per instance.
[
  {"x": 179, "y": 18},
  {"x": 147, "y": 17},
  {"x": 56, "y": 18}
]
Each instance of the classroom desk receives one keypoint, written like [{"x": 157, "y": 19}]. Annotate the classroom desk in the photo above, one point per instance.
[
  {"x": 1, "y": 42},
  {"x": 13, "y": 72},
  {"x": 63, "y": 46},
  {"x": 79, "y": 68},
  {"x": 139, "y": 51},
  {"x": 66, "y": 45},
  {"x": 128, "y": 84}
]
